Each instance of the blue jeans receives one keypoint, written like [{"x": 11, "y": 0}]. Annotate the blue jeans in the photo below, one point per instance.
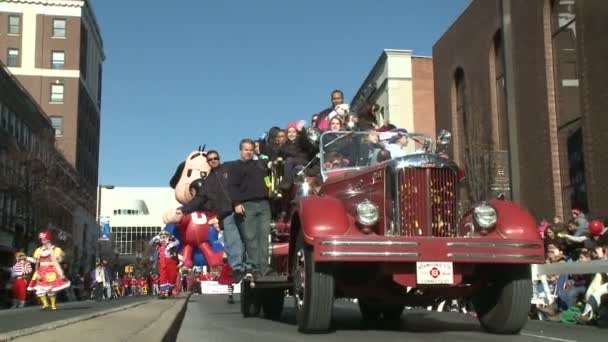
[
  {"x": 255, "y": 230},
  {"x": 570, "y": 295},
  {"x": 233, "y": 244}
]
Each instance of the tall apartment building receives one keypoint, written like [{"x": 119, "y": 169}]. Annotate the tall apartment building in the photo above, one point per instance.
[
  {"x": 55, "y": 49},
  {"x": 401, "y": 85}
]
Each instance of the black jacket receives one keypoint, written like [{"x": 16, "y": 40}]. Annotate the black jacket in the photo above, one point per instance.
[
  {"x": 214, "y": 196},
  {"x": 300, "y": 149},
  {"x": 246, "y": 181}
]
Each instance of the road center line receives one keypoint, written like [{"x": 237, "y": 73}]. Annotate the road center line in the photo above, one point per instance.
[{"x": 548, "y": 338}]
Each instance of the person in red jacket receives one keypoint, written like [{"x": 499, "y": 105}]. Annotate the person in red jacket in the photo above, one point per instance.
[
  {"x": 126, "y": 285},
  {"x": 135, "y": 286},
  {"x": 226, "y": 278},
  {"x": 167, "y": 263}
]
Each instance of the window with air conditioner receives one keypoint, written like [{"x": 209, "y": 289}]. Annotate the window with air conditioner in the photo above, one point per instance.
[
  {"x": 57, "y": 123},
  {"x": 59, "y": 28},
  {"x": 57, "y": 93},
  {"x": 12, "y": 59},
  {"x": 14, "y": 24},
  {"x": 57, "y": 60}
]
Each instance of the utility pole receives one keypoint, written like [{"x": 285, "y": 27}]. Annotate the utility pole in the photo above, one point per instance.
[{"x": 507, "y": 38}]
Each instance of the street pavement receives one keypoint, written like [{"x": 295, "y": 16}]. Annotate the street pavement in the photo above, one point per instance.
[
  {"x": 17, "y": 319},
  {"x": 147, "y": 321},
  {"x": 210, "y": 318}
]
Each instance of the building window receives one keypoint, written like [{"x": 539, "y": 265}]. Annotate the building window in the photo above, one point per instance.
[
  {"x": 57, "y": 60},
  {"x": 57, "y": 93},
  {"x": 59, "y": 28},
  {"x": 13, "y": 58},
  {"x": 57, "y": 123},
  {"x": 14, "y": 24}
]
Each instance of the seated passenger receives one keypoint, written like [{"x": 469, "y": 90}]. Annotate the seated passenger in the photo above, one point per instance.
[
  {"x": 398, "y": 143},
  {"x": 372, "y": 151},
  {"x": 334, "y": 160}
]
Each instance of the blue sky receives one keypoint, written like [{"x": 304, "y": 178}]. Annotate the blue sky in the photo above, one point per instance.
[{"x": 213, "y": 72}]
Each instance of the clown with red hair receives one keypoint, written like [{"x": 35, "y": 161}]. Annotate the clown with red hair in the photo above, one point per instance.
[{"x": 49, "y": 277}]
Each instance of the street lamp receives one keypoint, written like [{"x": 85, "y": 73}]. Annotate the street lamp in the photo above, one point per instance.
[{"x": 99, "y": 191}]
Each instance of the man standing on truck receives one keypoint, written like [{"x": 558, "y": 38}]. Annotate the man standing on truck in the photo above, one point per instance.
[
  {"x": 249, "y": 194},
  {"x": 322, "y": 122}
]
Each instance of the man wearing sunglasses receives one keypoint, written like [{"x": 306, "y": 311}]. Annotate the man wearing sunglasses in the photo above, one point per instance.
[{"x": 214, "y": 196}]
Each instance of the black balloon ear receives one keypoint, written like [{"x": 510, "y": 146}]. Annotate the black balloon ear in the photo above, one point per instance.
[
  {"x": 203, "y": 150},
  {"x": 199, "y": 148},
  {"x": 178, "y": 175}
]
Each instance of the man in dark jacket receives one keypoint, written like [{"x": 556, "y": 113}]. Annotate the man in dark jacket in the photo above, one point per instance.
[
  {"x": 249, "y": 194},
  {"x": 214, "y": 196},
  {"x": 337, "y": 98}
]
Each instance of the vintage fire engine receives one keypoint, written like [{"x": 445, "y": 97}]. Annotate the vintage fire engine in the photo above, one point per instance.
[{"x": 389, "y": 232}]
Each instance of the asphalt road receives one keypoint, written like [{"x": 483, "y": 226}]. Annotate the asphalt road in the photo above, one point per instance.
[
  {"x": 210, "y": 318},
  {"x": 16, "y": 319}
]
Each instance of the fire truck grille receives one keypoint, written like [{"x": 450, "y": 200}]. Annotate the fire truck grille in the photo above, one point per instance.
[{"x": 427, "y": 202}]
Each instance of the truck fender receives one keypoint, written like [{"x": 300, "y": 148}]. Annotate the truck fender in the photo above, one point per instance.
[
  {"x": 514, "y": 222},
  {"x": 320, "y": 216}
]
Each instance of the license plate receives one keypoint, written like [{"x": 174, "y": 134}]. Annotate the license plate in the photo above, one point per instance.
[{"x": 434, "y": 273}]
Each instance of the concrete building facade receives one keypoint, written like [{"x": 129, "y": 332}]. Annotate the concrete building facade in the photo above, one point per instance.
[
  {"x": 401, "y": 85},
  {"x": 135, "y": 216}
]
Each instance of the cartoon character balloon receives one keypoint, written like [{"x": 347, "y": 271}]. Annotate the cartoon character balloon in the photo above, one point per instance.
[
  {"x": 193, "y": 168},
  {"x": 196, "y": 231}
]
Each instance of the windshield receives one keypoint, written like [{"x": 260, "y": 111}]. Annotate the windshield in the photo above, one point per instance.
[{"x": 351, "y": 150}]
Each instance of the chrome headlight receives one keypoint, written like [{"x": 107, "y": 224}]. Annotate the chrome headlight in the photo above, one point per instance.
[
  {"x": 367, "y": 213},
  {"x": 485, "y": 215}
]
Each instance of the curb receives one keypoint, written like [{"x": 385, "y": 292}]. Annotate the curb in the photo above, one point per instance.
[
  {"x": 61, "y": 323},
  {"x": 167, "y": 325}
]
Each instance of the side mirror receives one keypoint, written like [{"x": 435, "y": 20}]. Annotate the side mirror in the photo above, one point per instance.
[
  {"x": 443, "y": 141},
  {"x": 444, "y": 137}
]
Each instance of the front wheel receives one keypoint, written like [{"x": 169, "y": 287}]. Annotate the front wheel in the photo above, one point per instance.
[
  {"x": 502, "y": 306},
  {"x": 313, "y": 291}
]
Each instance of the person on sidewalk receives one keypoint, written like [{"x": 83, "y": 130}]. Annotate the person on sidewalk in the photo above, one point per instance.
[
  {"x": 249, "y": 195},
  {"x": 48, "y": 278},
  {"x": 99, "y": 281},
  {"x": 108, "y": 275},
  {"x": 20, "y": 271},
  {"x": 154, "y": 279}
]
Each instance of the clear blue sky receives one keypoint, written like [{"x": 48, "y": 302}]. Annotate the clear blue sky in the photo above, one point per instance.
[{"x": 183, "y": 73}]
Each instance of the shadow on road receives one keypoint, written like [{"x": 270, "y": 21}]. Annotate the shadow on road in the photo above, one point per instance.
[{"x": 411, "y": 321}]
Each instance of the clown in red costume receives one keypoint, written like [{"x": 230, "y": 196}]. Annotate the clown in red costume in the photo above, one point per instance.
[
  {"x": 167, "y": 262},
  {"x": 49, "y": 277},
  {"x": 20, "y": 272}
]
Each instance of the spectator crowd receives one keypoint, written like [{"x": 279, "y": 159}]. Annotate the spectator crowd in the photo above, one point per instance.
[{"x": 575, "y": 298}]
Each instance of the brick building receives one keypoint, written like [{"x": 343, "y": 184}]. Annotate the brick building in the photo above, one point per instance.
[
  {"x": 401, "y": 85},
  {"x": 551, "y": 62},
  {"x": 55, "y": 50},
  {"x": 38, "y": 187}
]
